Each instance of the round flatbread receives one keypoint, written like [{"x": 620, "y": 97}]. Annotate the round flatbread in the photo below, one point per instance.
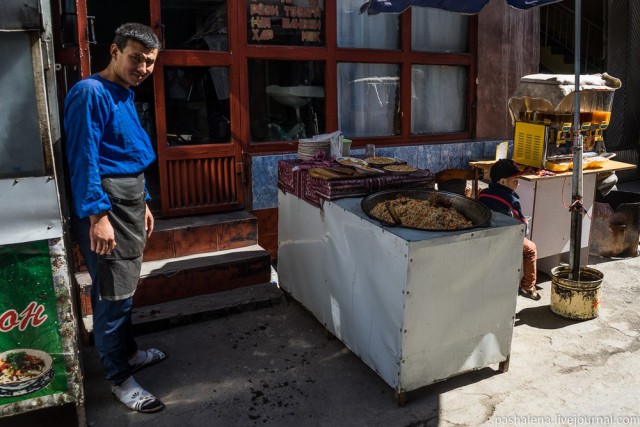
[
  {"x": 399, "y": 169},
  {"x": 380, "y": 161},
  {"x": 351, "y": 161}
]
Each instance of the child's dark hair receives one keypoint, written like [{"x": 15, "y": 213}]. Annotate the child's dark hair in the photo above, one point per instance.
[{"x": 138, "y": 32}]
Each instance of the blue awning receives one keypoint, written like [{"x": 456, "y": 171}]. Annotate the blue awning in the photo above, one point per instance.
[{"x": 373, "y": 7}]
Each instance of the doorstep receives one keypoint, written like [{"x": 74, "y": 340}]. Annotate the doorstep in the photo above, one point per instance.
[{"x": 159, "y": 317}]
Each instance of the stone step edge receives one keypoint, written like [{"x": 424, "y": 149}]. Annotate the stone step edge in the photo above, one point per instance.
[
  {"x": 159, "y": 317},
  {"x": 171, "y": 266},
  {"x": 195, "y": 222}
]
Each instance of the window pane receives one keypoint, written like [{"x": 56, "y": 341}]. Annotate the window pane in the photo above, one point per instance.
[
  {"x": 356, "y": 30},
  {"x": 438, "y": 99},
  {"x": 286, "y": 99},
  {"x": 197, "y": 101},
  {"x": 68, "y": 23},
  {"x": 287, "y": 23},
  {"x": 435, "y": 30},
  {"x": 369, "y": 99},
  {"x": 195, "y": 24}
]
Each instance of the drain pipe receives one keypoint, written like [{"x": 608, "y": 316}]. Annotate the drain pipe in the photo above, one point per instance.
[{"x": 576, "y": 205}]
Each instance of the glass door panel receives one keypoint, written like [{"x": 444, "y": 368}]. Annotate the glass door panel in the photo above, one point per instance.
[
  {"x": 197, "y": 105},
  {"x": 200, "y": 160},
  {"x": 195, "y": 24}
]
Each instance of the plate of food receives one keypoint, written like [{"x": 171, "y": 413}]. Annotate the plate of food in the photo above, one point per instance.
[
  {"x": 380, "y": 161},
  {"x": 352, "y": 162},
  {"x": 24, "y": 371},
  {"x": 399, "y": 169}
]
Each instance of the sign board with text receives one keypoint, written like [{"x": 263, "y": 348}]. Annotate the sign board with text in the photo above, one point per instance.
[{"x": 286, "y": 22}]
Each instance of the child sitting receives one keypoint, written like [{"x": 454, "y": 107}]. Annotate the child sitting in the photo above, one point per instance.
[{"x": 501, "y": 197}]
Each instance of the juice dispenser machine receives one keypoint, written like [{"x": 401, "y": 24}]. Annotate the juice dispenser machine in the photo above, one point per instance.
[{"x": 542, "y": 109}]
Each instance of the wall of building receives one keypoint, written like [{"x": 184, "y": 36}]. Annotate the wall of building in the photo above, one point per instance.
[
  {"x": 433, "y": 157},
  {"x": 508, "y": 49}
]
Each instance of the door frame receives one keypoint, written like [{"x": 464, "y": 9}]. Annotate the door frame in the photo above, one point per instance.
[{"x": 219, "y": 168}]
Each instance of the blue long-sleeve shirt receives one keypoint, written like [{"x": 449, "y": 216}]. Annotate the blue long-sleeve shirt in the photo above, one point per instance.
[{"x": 103, "y": 138}]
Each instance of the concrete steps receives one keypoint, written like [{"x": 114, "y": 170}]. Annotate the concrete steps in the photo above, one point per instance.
[
  {"x": 190, "y": 258},
  {"x": 183, "y": 277},
  {"x": 163, "y": 316}
]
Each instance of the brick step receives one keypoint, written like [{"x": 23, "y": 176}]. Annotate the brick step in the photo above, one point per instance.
[
  {"x": 160, "y": 317},
  {"x": 179, "y": 237},
  {"x": 192, "y": 275}
]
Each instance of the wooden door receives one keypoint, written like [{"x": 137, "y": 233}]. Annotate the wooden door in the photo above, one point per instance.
[
  {"x": 72, "y": 35},
  {"x": 195, "y": 80}
]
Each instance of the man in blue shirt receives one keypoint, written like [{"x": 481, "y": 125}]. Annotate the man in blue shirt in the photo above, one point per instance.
[{"x": 107, "y": 152}]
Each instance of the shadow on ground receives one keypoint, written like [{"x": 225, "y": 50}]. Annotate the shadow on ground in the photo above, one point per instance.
[
  {"x": 542, "y": 317},
  {"x": 432, "y": 392}
]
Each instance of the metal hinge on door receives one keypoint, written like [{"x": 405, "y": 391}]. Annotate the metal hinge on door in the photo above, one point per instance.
[{"x": 240, "y": 171}]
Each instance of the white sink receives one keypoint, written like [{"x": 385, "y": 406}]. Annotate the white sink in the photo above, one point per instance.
[{"x": 295, "y": 96}]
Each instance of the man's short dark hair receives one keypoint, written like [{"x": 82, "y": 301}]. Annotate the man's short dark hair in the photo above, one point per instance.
[{"x": 137, "y": 32}]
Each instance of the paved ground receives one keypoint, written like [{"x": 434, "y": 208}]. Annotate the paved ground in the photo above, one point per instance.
[{"x": 275, "y": 367}]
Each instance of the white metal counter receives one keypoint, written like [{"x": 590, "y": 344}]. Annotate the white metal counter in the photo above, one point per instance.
[
  {"x": 546, "y": 200},
  {"x": 416, "y": 306}
]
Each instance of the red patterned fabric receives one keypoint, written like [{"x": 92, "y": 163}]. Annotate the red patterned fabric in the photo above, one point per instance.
[{"x": 295, "y": 180}]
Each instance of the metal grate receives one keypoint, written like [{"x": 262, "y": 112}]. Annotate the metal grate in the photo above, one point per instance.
[
  {"x": 529, "y": 144},
  {"x": 200, "y": 183}
]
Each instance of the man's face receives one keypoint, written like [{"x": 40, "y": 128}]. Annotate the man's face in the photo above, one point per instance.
[{"x": 134, "y": 64}]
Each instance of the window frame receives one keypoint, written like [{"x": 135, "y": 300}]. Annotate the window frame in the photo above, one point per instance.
[{"x": 241, "y": 52}]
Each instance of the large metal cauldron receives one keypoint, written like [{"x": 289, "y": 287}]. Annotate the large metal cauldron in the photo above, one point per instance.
[{"x": 476, "y": 212}]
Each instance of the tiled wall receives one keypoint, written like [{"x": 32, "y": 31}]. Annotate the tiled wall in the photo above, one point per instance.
[{"x": 432, "y": 157}]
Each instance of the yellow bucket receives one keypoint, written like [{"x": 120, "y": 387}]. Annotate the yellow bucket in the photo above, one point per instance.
[{"x": 576, "y": 299}]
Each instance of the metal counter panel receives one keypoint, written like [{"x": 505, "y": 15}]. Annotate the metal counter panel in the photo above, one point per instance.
[
  {"x": 460, "y": 303},
  {"x": 21, "y": 15},
  {"x": 547, "y": 202},
  {"x": 29, "y": 210},
  {"x": 415, "y": 306}
]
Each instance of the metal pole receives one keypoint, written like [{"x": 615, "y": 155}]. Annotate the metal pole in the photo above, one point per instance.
[{"x": 576, "y": 210}]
